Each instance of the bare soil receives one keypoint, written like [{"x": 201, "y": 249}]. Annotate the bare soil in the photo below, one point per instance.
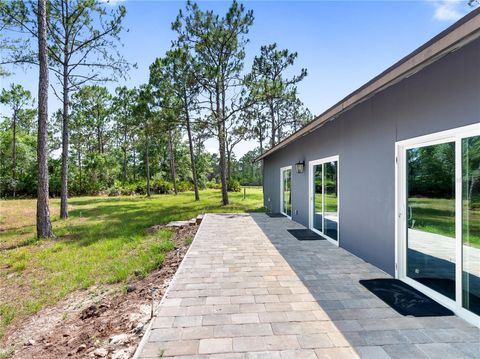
[{"x": 104, "y": 321}]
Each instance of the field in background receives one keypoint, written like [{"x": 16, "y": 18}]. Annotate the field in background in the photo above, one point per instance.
[
  {"x": 437, "y": 216},
  {"x": 103, "y": 241}
]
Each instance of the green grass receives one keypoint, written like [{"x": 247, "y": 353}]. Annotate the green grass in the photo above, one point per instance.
[
  {"x": 438, "y": 216},
  {"x": 6, "y": 353},
  {"x": 331, "y": 202},
  {"x": 102, "y": 242}
]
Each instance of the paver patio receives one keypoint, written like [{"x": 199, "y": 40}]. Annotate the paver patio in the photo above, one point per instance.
[{"x": 248, "y": 289}]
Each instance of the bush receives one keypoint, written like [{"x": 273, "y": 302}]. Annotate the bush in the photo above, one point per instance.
[
  {"x": 233, "y": 186},
  {"x": 127, "y": 191},
  {"x": 213, "y": 184},
  {"x": 183, "y": 186},
  {"x": 114, "y": 192},
  {"x": 161, "y": 186}
]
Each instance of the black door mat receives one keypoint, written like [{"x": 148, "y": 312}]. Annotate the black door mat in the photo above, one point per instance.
[
  {"x": 405, "y": 299},
  {"x": 275, "y": 215},
  {"x": 305, "y": 235}
]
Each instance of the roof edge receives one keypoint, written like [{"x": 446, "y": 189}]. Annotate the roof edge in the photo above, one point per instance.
[{"x": 452, "y": 38}]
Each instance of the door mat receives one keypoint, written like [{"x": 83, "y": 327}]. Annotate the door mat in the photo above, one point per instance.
[
  {"x": 305, "y": 235},
  {"x": 275, "y": 215},
  {"x": 405, "y": 299}
]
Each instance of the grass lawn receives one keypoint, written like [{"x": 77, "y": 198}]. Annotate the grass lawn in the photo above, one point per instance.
[
  {"x": 438, "y": 216},
  {"x": 103, "y": 241}
]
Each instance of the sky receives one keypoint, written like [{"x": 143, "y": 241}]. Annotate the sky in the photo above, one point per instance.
[{"x": 342, "y": 44}]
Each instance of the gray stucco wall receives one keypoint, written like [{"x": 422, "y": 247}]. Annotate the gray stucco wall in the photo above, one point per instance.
[{"x": 442, "y": 96}]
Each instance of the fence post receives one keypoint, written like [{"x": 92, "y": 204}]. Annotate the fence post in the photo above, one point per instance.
[{"x": 244, "y": 192}]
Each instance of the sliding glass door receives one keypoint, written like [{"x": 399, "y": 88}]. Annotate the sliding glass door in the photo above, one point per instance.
[
  {"x": 431, "y": 216},
  {"x": 439, "y": 217},
  {"x": 286, "y": 191},
  {"x": 471, "y": 224},
  {"x": 324, "y": 197}
]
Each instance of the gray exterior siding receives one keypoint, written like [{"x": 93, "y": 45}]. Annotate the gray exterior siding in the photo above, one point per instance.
[{"x": 442, "y": 96}]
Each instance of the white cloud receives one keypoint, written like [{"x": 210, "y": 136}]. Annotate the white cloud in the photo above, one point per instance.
[{"x": 448, "y": 10}]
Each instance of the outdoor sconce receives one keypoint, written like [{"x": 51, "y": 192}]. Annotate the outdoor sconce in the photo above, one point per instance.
[{"x": 300, "y": 166}]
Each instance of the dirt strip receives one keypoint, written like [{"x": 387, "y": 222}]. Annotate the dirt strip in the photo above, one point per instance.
[{"x": 102, "y": 322}]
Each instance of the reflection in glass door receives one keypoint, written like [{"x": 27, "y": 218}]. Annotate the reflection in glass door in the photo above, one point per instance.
[
  {"x": 330, "y": 200},
  {"x": 286, "y": 192},
  {"x": 324, "y": 197},
  {"x": 431, "y": 217},
  {"x": 318, "y": 197},
  {"x": 471, "y": 223},
  {"x": 439, "y": 207}
]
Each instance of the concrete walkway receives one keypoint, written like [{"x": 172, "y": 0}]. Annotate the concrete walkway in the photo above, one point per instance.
[{"x": 248, "y": 289}]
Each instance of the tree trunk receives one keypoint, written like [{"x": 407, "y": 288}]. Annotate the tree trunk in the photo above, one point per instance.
[
  {"x": 272, "y": 123},
  {"x": 80, "y": 170},
  {"x": 260, "y": 135},
  {"x": 44, "y": 227},
  {"x": 171, "y": 155},
  {"x": 64, "y": 186},
  {"x": 222, "y": 164},
  {"x": 125, "y": 157},
  {"x": 99, "y": 140},
  {"x": 134, "y": 164},
  {"x": 279, "y": 127},
  {"x": 220, "y": 117},
  {"x": 192, "y": 155},
  {"x": 229, "y": 163},
  {"x": 147, "y": 162},
  {"x": 14, "y": 153}
]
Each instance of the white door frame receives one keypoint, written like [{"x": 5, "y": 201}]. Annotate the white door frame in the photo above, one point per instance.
[
  {"x": 282, "y": 210},
  {"x": 311, "y": 193},
  {"x": 401, "y": 215}
]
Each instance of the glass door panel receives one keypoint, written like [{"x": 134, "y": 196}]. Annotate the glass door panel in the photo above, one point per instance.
[
  {"x": 330, "y": 218},
  {"x": 317, "y": 198},
  {"x": 287, "y": 192},
  {"x": 431, "y": 217},
  {"x": 324, "y": 201},
  {"x": 471, "y": 223}
]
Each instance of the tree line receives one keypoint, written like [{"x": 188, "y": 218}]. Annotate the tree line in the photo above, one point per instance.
[{"x": 146, "y": 139}]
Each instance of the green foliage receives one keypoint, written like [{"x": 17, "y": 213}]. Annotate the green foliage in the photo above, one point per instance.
[
  {"x": 431, "y": 171},
  {"x": 234, "y": 185},
  {"x": 278, "y": 108},
  {"x": 160, "y": 186},
  {"x": 213, "y": 184},
  {"x": 17, "y": 143},
  {"x": 248, "y": 172},
  {"x": 6, "y": 353},
  {"x": 25, "y": 181}
]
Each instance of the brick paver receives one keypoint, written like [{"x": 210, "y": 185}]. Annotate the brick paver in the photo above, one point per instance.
[{"x": 248, "y": 289}]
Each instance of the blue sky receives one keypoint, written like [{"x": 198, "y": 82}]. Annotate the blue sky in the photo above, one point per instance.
[{"x": 343, "y": 44}]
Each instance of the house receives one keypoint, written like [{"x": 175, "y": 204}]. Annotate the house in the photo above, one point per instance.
[{"x": 391, "y": 173}]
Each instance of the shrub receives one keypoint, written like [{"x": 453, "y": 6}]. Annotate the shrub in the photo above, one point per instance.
[
  {"x": 127, "y": 191},
  {"x": 233, "y": 186},
  {"x": 213, "y": 184},
  {"x": 140, "y": 187},
  {"x": 183, "y": 186},
  {"x": 114, "y": 192},
  {"x": 161, "y": 186}
]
